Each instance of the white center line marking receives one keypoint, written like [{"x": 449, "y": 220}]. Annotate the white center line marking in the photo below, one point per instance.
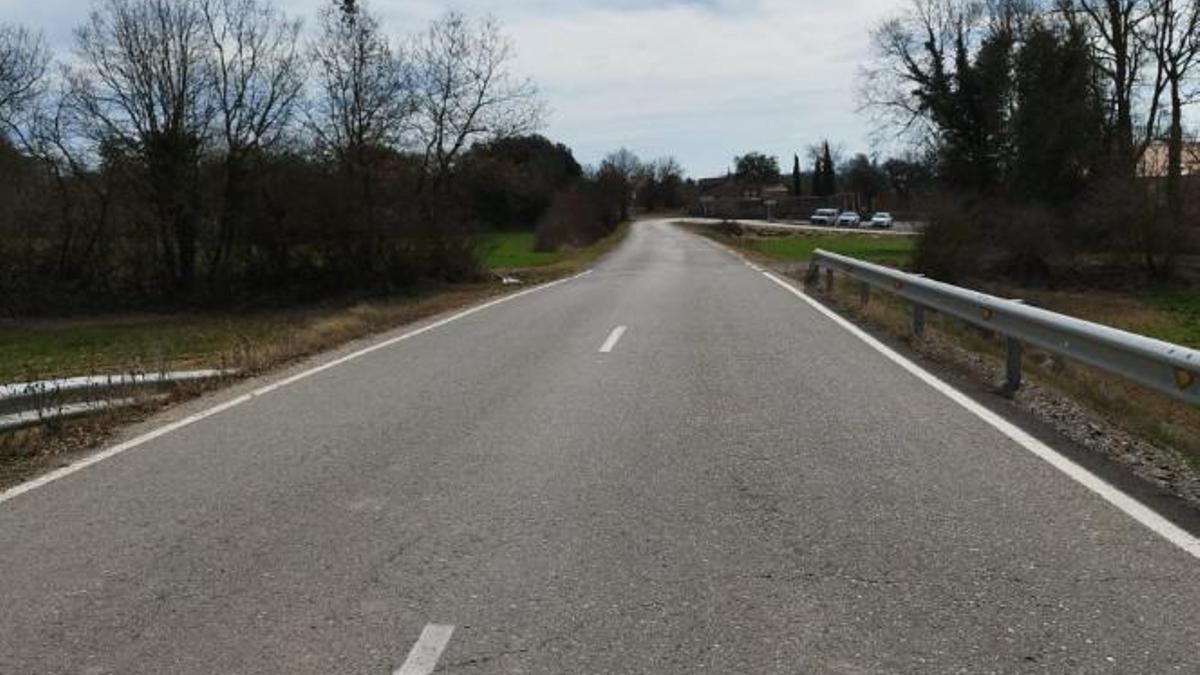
[
  {"x": 612, "y": 340},
  {"x": 425, "y": 654},
  {"x": 1131, "y": 506}
]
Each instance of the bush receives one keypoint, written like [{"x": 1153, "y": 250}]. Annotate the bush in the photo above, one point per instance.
[
  {"x": 576, "y": 217},
  {"x": 1025, "y": 243},
  {"x": 950, "y": 248},
  {"x": 1022, "y": 244},
  {"x": 729, "y": 228}
]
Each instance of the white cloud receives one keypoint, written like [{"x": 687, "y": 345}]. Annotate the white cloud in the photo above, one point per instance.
[{"x": 701, "y": 79}]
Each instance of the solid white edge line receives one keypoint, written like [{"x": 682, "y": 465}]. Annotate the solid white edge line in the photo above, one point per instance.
[
  {"x": 613, "y": 338},
  {"x": 425, "y": 653},
  {"x": 1132, "y": 507},
  {"x": 79, "y": 465}
]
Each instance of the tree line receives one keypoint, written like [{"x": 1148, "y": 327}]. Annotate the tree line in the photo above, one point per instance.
[
  {"x": 211, "y": 149},
  {"x": 1037, "y": 121},
  {"x": 832, "y": 174}
]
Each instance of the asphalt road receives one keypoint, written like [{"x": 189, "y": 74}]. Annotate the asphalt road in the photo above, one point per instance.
[{"x": 738, "y": 485}]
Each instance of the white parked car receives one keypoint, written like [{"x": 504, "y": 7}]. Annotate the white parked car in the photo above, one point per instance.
[
  {"x": 849, "y": 219},
  {"x": 823, "y": 217},
  {"x": 883, "y": 219}
]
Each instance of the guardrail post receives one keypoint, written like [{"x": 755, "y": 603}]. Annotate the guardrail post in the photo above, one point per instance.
[
  {"x": 864, "y": 293},
  {"x": 828, "y": 279},
  {"x": 1012, "y": 380},
  {"x": 811, "y": 276},
  {"x": 918, "y": 318}
]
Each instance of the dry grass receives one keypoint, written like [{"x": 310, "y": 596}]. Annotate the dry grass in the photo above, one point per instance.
[
  {"x": 288, "y": 337},
  {"x": 1152, "y": 312},
  {"x": 1144, "y": 413},
  {"x": 317, "y": 331}
]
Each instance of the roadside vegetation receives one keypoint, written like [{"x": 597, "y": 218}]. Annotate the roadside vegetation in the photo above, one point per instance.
[
  {"x": 515, "y": 250},
  {"x": 250, "y": 341},
  {"x": 1165, "y": 312},
  {"x": 1052, "y": 136},
  {"x": 797, "y": 247},
  {"x": 255, "y": 338},
  {"x": 247, "y": 196},
  {"x": 881, "y": 249},
  {"x": 254, "y": 166},
  {"x": 263, "y": 194}
]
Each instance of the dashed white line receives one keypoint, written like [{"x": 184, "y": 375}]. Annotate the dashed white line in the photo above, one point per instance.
[
  {"x": 84, "y": 463},
  {"x": 1132, "y": 507},
  {"x": 613, "y": 339},
  {"x": 425, "y": 654}
]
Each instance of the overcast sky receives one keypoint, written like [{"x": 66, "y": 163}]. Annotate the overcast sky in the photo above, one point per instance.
[{"x": 702, "y": 80}]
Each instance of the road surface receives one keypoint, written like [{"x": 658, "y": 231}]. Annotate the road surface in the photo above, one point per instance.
[{"x": 733, "y": 483}]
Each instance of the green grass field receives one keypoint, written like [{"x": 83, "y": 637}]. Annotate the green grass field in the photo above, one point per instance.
[
  {"x": 1184, "y": 309},
  {"x": 1167, "y": 314},
  {"x": 250, "y": 341},
  {"x": 883, "y": 249},
  {"x": 31, "y": 350},
  {"x": 107, "y": 346},
  {"x": 514, "y": 250}
]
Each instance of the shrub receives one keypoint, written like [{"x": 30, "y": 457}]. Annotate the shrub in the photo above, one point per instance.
[
  {"x": 951, "y": 246},
  {"x": 576, "y": 217}
]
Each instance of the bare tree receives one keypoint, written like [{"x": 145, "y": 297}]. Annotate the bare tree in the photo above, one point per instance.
[
  {"x": 24, "y": 60},
  {"x": 259, "y": 71},
  {"x": 466, "y": 91},
  {"x": 1175, "y": 45},
  {"x": 617, "y": 179},
  {"x": 365, "y": 97},
  {"x": 363, "y": 109},
  {"x": 914, "y": 61},
  {"x": 837, "y": 152},
  {"x": 142, "y": 85},
  {"x": 82, "y": 197},
  {"x": 661, "y": 184},
  {"x": 258, "y": 78},
  {"x": 1115, "y": 25}
]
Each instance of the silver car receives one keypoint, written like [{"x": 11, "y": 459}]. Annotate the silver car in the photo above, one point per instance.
[
  {"x": 849, "y": 219},
  {"x": 823, "y": 217},
  {"x": 882, "y": 220}
]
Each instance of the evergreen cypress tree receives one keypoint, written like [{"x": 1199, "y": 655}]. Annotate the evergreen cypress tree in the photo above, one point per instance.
[
  {"x": 829, "y": 183},
  {"x": 796, "y": 187}
]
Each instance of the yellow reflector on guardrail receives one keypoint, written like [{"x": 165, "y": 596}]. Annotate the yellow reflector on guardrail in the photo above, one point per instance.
[{"x": 1184, "y": 378}]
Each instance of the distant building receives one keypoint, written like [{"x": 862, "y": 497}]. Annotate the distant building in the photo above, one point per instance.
[
  {"x": 731, "y": 197},
  {"x": 1154, "y": 162}
]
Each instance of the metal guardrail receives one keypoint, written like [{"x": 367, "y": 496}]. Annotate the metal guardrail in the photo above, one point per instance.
[
  {"x": 36, "y": 416},
  {"x": 22, "y": 390},
  {"x": 28, "y": 404},
  {"x": 1165, "y": 367}
]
